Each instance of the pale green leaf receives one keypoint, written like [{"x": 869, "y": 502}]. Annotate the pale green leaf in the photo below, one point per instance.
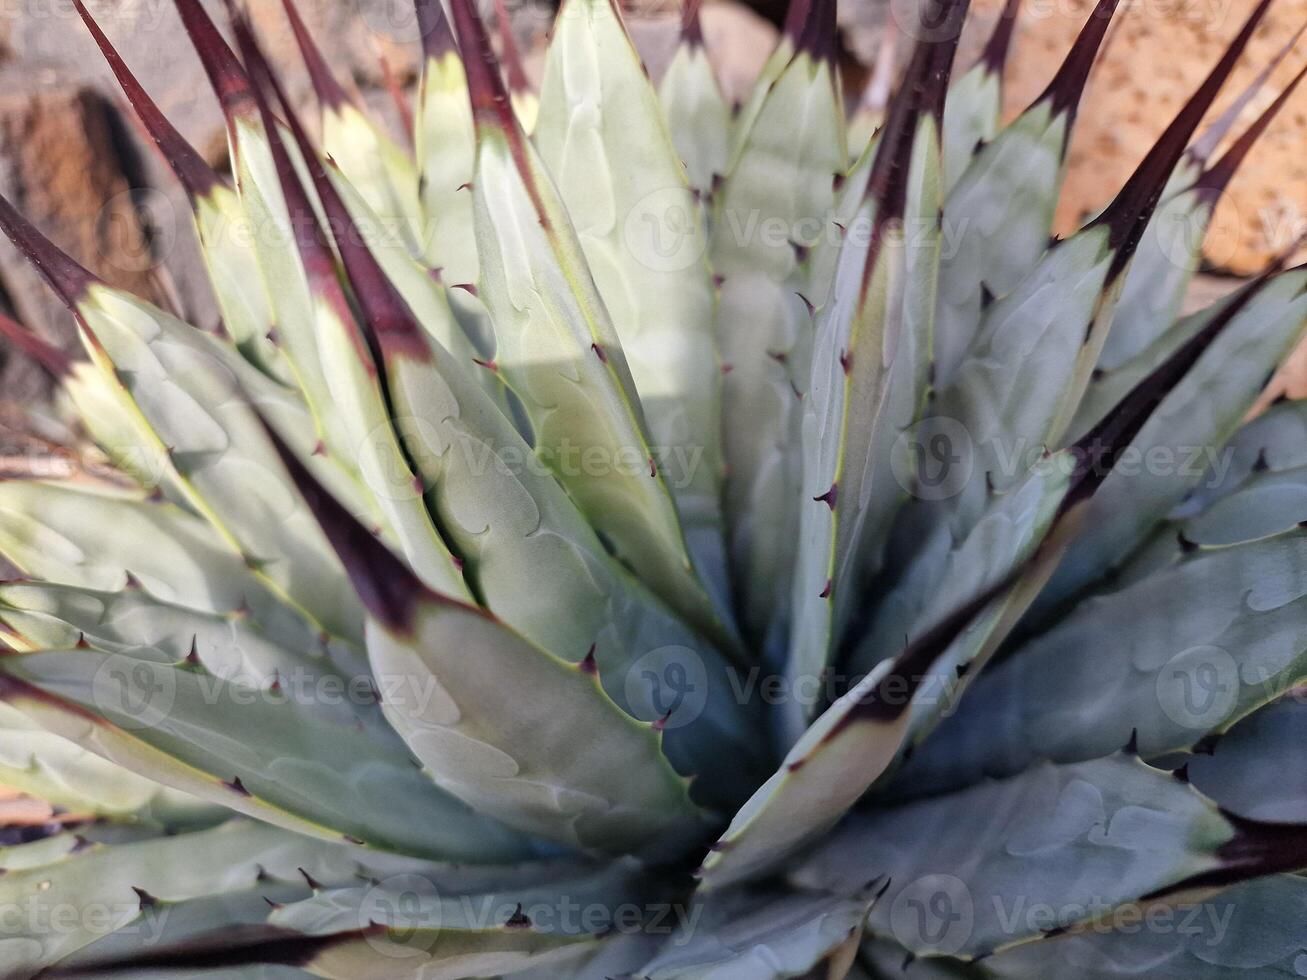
[
  {"x": 191, "y": 394},
  {"x": 530, "y": 738},
  {"x": 515, "y": 527},
  {"x": 774, "y": 205},
  {"x": 380, "y": 171},
  {"x": 1251, "y": 930},
  {"x": 765, "y": 937},
  {"x": 1155, "y": 287},
  {"x": 870, "y": 369},
  {"x": 1257, "y": 484},
  {"x": 697, "y": 115},
  {"x": 63, "y": 773},
  {"x": 1163, "y": 662},
  {"x": 429, "y": 932},
  {"x": 997, "y": 220},
  {"x": 253, "y": 749},
  {"x": 102, "y": 539},
  {"x": 561, "y": 355},
  {"x": 1166, "y": 459},
  {"x": 1004, "y": 862},
  {"x": 972, "y": 115},
  {"x": 93, "y": 892},
  {"x": 1253, "y": 768},
  {"x": 602, "y": 136},
  {"x": 230, "y": 257}
]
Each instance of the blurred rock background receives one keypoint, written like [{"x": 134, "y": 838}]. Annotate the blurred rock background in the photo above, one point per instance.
[{"x": 72, "y": 159}]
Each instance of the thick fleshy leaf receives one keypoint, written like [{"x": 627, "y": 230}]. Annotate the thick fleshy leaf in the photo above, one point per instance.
[
  {"x": 1253, "y": 769},
  {"x": 435, "y": 935},
  {"x": 602, "y": 135},
  {"x": 1279, "y": 506},
  {"x": 446, "y": 156},
  {"x": 44, "y": 851},
  {"x": 853, "y": 743},
  {"x": 187, "y": 390},
  {"x": 57, "y": 616},
  {"x": 64, "y": 774},
  {"x": 266, "y": 215},
  {"x": 525, "y": 712},
  {"x": 558, "y": 350},
  {"x": 348, "y": 363},
  {"x": 1251, "y": 930},
  {"x": 1171, "y": 249},
  {"x": 1193, "y": 648},
  {"x": 411, "y": 923},
  {"x": 1008, "y": 861},
  {"x": 106, "y": 540},
  {"x": 101, "y": 405},
  {"x": 798, "y": 13},
  {"x": 1172, "y": 452},
  {"x": 1108, "y": 387},
  {"x": 765, "y": 937},
  {"x": 772, "y": 210},
  {"x": 495, "y": 719},
  {"x": 515, "y": 527},
  {"x": 127, "y": 894},
  {"x": 1257, "y": 485},
  {"x": 103, "y": 537},
  {"x": 233, "y": 268},
  {"x": 225, "y": 237},
  {"x": 445, "y": 147},
  {"x": 1155, "y": 287},
  {"x": 870, "y": 363},
  {"x": 253, "y": 749},
  {"x": 999, "y": 213},
  {"x": 974, "y": 107},
  {"x": 944, "y": 571},
  {"x": 232, "y": 912},
  {"x": 850, "y": 198},
  {"x": 698, "y": 117},
  {"x": 1017, "y": 390},
  {"x": 382, "y": 172},
  {"x": 107, "y": 879},
  {"x": 135, "y": 624}
]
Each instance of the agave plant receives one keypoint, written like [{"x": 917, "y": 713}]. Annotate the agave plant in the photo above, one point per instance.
[{"x": 623, "y": 536}]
